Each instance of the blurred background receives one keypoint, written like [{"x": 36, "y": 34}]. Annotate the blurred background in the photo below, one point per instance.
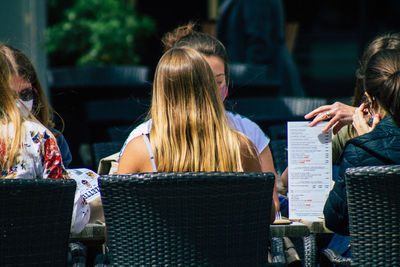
[{"x": 96, "y": 58}]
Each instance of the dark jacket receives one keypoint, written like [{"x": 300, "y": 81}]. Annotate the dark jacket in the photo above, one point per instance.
[
  {"x": 252, "y": 30},
  {"x": 64, "y": 148},
  {"x": 379, "y": 147}
]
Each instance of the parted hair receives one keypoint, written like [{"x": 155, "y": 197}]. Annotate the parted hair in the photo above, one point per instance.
[
  {"x": 382, "y": 81},
  {"x": 190, "y": 131}
]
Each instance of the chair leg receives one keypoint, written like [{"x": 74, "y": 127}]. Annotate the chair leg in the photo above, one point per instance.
[
  {"x": 278, "y": 251},
  {"x": 310, "y": 249}
]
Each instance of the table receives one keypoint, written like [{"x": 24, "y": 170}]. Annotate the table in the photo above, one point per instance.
[
  {"x": 306, "y": 230},
  {"x": 93, "y": 237},
  {"x": 92, "y": 232},
  {"x": 294, "y": 229}
]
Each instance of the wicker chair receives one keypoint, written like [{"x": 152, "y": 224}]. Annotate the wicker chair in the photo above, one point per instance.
[
  {"x": 104, "y": 149},
  {"x": 187, "y": 219},
  {"x": 374, "y": 216},
  {"x": 35, "y": 221}
]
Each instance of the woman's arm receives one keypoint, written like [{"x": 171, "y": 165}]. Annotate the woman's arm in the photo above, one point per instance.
[
  {"x": 267, "y": 165},
  {"x": 339, "y": 115},
  {"x": 252, "y": 163},
  {"x": 133, "y": 158},
  {"x": 52, "y": 160}
]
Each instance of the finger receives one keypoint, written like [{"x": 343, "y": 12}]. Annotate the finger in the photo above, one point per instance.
[
  {"x": 357, "y": 112},
  {"x": 337, "y": 127},
  {"x": 320, "y": 117},
  {"x": 316, "y": 111},
  {"x": 356, "y": 116},
  {"x": 330, "y": 123}
]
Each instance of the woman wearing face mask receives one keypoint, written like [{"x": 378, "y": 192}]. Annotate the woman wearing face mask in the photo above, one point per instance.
[
  {"x": 215, "y": 54},
  {"x": 26, "y": 82},
  {"x": 28, "y": 149}
]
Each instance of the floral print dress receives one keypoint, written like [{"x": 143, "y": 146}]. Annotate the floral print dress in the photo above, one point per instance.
[{"x": 40, "y": 156}]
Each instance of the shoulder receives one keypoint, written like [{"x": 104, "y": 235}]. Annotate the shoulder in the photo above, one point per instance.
[
  {"x": 248, "y": 128},
  {"x": 240, "y": 119},
  {"x": 143, "y": 128},
  {"x": 136, "y": 144},
  {"x": 134, "y": 156},
  {"x": 249, "y": 154},
  {"x": 32, "y": 125},
  {"x": 37, "y": 131}
]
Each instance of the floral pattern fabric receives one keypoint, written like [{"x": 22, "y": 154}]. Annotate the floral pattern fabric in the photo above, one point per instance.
[{"x": 40, "y": 156}]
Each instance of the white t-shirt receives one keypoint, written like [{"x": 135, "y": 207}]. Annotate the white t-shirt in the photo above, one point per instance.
[{"x": 236, "y": 121}]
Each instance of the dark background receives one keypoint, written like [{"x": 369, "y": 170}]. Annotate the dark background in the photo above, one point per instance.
[{"x": 330, "y": 38}]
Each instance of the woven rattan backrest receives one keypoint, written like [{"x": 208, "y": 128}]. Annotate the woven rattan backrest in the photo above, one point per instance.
[
  {"x": 35, "y": 221},
  {"x": 374, "y": 214},
  {"x": 187, "y": 219}
]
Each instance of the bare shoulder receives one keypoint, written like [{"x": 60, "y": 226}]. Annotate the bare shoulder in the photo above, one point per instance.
[
  {"x": 136, "y": 144},
  {"x": 249, "y": 154},
  {"x": 133, "y": 157}
]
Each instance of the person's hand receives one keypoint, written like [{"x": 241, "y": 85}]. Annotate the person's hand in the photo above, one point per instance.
[
  {"x": 361, "y": 120},
  {"x": 338, "y": 114}
]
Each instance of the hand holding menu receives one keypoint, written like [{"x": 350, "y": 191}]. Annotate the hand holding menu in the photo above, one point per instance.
[{"x": 309, "y": 169}]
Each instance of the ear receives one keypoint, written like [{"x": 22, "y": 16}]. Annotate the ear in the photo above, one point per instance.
[{"x": 371, "y": 100}]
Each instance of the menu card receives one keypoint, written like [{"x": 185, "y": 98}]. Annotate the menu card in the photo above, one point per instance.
[
  {"x": 309, "y": 169},
  {"x": 86, "y": 181}
]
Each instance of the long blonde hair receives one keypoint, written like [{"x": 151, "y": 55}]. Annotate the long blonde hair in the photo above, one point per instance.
[
  {"x": 190, "y": 131},
  {"x": 11, "y": 121},
  {"x": 23, "y": 67}
]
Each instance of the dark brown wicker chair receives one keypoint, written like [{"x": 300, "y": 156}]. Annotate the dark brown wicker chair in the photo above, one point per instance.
[
  {"x": 374, "y": 216},
  {"x": 187, "y": 219},
  {"x": 35, "y": 221}
]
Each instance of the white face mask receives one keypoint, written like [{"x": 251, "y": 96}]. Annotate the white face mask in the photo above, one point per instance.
[{"x": 25, "y": 107}]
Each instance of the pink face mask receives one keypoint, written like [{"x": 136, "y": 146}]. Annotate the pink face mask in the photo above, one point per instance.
[{"x": 223, "y": 92}]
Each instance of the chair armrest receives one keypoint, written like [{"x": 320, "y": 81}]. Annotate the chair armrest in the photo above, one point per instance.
[{"x": 336, "y": 258}]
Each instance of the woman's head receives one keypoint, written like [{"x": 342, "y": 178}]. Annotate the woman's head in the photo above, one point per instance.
[
  {"x": 190, "y": 131},
  {"x": 9, "y": 110},
  {"x": 184, "y": 85},
  {"x": 385, "y": 41},
  {"x": 26, "y": 82},
  {"x": 209, "y": 46},
  {"x": 382, "y": 82},
  {"x": 10, "y": 137}
]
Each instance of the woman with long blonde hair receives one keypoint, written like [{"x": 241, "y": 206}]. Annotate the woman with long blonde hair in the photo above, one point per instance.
[
  {"x": 22, "y": 136},
  {"x": 190, "y": 131},
  {"x": 29, "y": 150},
  {"x": 25, "y": 81}
]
